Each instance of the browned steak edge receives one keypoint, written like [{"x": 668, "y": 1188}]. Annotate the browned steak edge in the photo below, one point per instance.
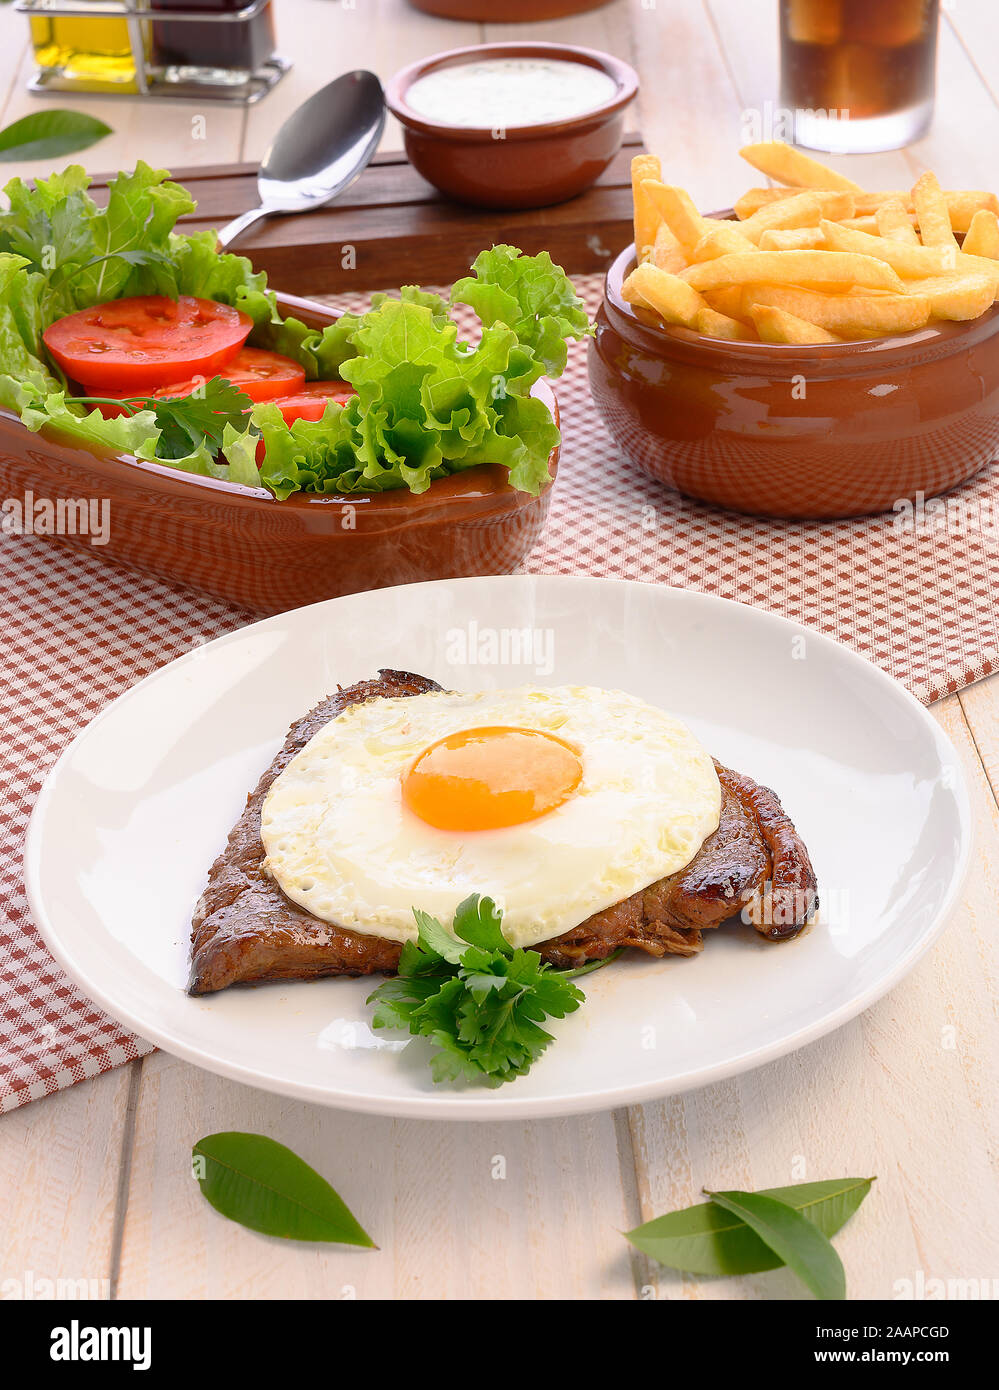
[{"x": 245, "y": 929}]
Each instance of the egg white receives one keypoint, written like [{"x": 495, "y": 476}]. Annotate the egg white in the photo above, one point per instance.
[{"x": 340, "y": 841}]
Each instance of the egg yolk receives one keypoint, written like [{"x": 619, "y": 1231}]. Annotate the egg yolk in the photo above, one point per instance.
[{"x": 482, "y": 779}]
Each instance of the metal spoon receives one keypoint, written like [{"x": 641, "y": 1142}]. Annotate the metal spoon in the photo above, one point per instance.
[{"x": 319, "y": 151}]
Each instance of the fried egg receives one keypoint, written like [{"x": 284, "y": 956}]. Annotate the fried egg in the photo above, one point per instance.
[{"x": 556, "y": 803}]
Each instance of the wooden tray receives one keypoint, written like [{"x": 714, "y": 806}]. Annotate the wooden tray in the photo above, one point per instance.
[{"x": 392, "y": 228}]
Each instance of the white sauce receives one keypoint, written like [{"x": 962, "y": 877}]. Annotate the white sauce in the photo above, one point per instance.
[{"x": 500, "y": 93}]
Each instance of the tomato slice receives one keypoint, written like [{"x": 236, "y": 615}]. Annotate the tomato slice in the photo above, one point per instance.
[
  {"x": 309, "y": 401},
  {"x": 130, "y": 345},
  {"x": 258, "y": 374}
]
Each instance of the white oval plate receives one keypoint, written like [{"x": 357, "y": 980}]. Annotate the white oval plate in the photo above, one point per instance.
[{"x": 136, "y": 809}]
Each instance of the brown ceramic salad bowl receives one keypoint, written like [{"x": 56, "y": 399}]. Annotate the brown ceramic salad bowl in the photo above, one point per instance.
[
  {"x": 242, "y": 544},
  {"x": 822, "y": 431},
  {"x": 524, "y": 166}
]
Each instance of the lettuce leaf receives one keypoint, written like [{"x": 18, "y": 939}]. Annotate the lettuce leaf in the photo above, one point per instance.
[
  {"x": 530, "y": 294},
  {"x": 20, "y": 330},
  {"x": 129, "y": 434},
  {"x": 427, "y": 403}
]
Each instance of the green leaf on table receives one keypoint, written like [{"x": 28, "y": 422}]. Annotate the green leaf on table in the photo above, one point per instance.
[
  {"x": 261, "y": 1184},
  {"x": 707, "y": 1239},
  {"x": 799, "y": 1243},
  {"x": 45, "y": 134}
]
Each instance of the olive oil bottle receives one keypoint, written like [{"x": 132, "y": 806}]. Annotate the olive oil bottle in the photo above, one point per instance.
[{"x": 85, "y": 48}]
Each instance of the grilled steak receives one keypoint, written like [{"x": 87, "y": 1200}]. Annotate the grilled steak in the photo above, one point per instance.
[
  {"x": 754, "y": 862},
  {"x": 245, "y": 929}
]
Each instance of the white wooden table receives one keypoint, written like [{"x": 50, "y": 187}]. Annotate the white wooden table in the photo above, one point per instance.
[{"x": 96, "y": 1179}]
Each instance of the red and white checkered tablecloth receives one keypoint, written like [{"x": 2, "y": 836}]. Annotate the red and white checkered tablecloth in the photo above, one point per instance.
[{"x": 76, "y": 633}]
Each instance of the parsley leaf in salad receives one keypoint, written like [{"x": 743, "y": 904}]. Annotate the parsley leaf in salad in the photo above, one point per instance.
[
  {"x": 478, "y": 999},
  {"x": 428, "y": 402},
  {"x": 187, "y": 422}
]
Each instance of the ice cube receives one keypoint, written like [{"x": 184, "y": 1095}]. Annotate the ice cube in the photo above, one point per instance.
[
  {"x": 813, "y": 21},
  {"x": 887, "y": 23}
]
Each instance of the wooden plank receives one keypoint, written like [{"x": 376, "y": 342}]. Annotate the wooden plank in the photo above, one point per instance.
[
  {"x": 161, "y": 132},
  {"x": 976, "y": 26},
  {"x": 59, "y": 1169},
  {"x": 980, "y": 703},
  {"x": 935, "y": 1042},
  {"x": 479, "y": 1211},
  {"x": 964, "y": 104},
  {"x": 886, "y": 1095},
  {"x": 438, "y": 249},
  {"x": 381, "y": 35},
  {"x": 14, "y": 44},
  {"x": 688, "y": 107}
]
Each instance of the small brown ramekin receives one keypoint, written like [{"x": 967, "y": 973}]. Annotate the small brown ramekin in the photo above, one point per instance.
[
  {"x": 824, "y": 431},
  {"x": 240, "y": 543},
  {"x": 524, "y": 166}
]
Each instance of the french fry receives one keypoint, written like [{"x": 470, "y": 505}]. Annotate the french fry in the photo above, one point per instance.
[
  {"x": 982, "y": 238},
  {"x": 789, "y": 166},
  {"x": 979, "y": 265},
  {"x": 755, "y": 198},
  {"x": 914, "y": 262},
  {"x": 867, "y": 223},
  {"x": 817, "y": 259},
  {"x": 778, "y": 326},
  {"x": 793, "y": 267},
  {"x": 909, "y": 261},
  {"x": 715, "y": 325},
  {"x": 932, "y": 212},
  {"x": 729, "y": 300},
  {"x": 803, "y": 210},
  {"x": 667, "y": 253},
  {"x": 962, "y": 203},
  {"x": 849, "y": 316},
  {"x": 644, "y": 166},
  {"x": 720, "y": 239},
  {"x": 837, "y": 203},
  {"x": 800, "y": 239},
  {"x": 955, "y": 296},
  {"x": 893, "y": 222},
  {"x": 676, "y": 207},
  {"x": 672, "y": 298}
]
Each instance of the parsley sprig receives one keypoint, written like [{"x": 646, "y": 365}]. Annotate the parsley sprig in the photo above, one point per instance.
[
  {"x": 187, "y": 422},
  {"x": 479, "y": 999}
]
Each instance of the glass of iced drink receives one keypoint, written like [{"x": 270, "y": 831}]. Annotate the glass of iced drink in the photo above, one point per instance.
[{"x": 858, "y": 75}]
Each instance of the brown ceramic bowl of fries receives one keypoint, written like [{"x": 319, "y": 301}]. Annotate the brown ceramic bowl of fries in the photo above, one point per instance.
[{"x": 818, "y": 352}]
